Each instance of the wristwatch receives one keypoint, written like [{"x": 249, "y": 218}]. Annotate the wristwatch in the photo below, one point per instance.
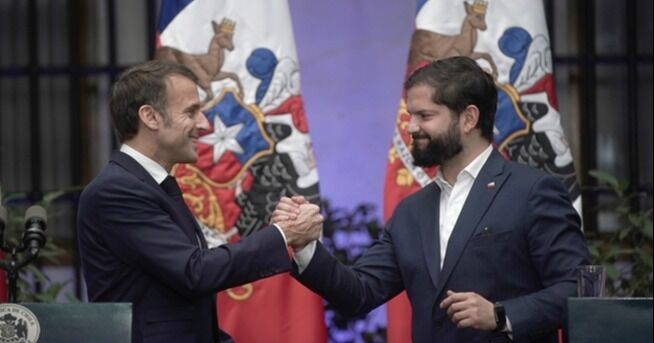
[{"x": 500, "y": 317}]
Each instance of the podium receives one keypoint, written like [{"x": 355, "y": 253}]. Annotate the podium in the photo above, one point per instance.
[
  {"x": 609, "y": 320},
  {"x": 83, "y": 322}
]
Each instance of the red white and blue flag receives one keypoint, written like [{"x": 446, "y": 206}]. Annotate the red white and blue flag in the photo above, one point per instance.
[
  {"x": 510, "y": 39},
  {"x": 258, "y": 148}
]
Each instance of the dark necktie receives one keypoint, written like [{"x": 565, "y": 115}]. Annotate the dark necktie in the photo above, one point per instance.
[{"x": 171, "y": 187}]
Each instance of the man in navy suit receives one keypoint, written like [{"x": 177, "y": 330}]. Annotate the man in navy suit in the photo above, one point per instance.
[
  {"x": 138, "y": 241},
  {"x": 486, "y": 253}
]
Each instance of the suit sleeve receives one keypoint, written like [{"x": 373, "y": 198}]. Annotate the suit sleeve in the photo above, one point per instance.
[
  {"x": 136, "y": 228},
  {"x": 352, "y": 290},
  {"x": 556, "y": 247}
]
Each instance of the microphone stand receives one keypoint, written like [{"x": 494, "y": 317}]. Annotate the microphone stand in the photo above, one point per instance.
[{"x": 12, "y": 266}]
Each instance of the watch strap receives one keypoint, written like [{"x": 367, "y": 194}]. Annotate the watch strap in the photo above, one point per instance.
[{"x": 500, "y": 317}]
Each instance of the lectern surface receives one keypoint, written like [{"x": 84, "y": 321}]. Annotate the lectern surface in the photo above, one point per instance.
[
  {"x": 84, "y": 322},
  {"x": 609, "y": 320}
]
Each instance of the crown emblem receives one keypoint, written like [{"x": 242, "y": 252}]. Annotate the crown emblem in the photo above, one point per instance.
[
  {"x": 227, "y": 26},
  {"x": 480, "y": 6}
]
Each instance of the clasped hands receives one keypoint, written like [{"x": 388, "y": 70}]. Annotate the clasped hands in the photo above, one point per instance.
[{"x": 300, "y": 221}]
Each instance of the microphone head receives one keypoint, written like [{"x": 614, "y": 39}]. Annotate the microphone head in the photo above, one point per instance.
[{"x": 36, "y": 212}]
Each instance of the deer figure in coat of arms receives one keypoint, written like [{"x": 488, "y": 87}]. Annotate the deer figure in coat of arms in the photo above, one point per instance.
[
  {"x": 431, "y": 46},
  {"x": 207, "y": 67}
]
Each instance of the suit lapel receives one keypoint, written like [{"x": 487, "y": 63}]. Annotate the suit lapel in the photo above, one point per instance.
[
  {"x": 488, "y": 183},
  {"x": 182, "y": 216},
  {"x": 429, "y": 230},
  {"x": 134, "y": 168}
]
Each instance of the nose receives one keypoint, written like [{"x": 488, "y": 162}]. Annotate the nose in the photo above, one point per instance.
[
  {"x": 202, "y": 122},
  {"x": 412, "y": 127}
]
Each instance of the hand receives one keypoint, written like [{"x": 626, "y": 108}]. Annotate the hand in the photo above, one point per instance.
[
  {"x": 287, "y": 209},
  {"x": 300, "y": 221},
  {"x": 469, "y": 310}
]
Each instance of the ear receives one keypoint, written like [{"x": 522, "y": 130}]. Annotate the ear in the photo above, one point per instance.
[
  {"x": 466, "y": 5},
  {"x": 469, "y": 118},
  {"x": 149, "y": 117}
]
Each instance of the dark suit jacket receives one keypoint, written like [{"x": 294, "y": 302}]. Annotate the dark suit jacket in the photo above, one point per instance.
[
  {"x": 138, "y": 246},
  {"x": 516, "y": 241}
]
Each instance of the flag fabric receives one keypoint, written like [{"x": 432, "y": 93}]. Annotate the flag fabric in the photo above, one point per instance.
[
  {"x": 258, "y": 148},
  {"x": 510, "y": 40}
]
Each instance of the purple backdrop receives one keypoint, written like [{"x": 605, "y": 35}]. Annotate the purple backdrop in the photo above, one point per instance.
[{"x": 352, "y": 57}]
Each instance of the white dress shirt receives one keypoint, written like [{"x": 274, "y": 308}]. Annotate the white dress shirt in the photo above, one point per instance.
[
  {"x": 453, "y": 197},
  {"x": 153, "y": 168}
]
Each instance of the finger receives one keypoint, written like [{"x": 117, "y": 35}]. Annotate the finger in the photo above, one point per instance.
[
  {"x": 298, "y": 199},
  {"x": 288, "y": 208},
  {"x": 456, "y": 307},
  {"x": 288, "y": 201},
  {"x": 308, "y": 211},
  {"x": 451, "y": 298},
  {"x": 278, "y": 217},
  {"x": 457, "y": 317},
  {"x": 445, "y": 304},
  {"x": 465, "y": 323},
  {"x": 313, "y": 208},
  {"x": 282, "y": 215},
  {"x": 457, "y": 297}
]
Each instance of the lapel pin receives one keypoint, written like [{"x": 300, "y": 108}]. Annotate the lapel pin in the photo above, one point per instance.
[{"x": 490, "y": 185}]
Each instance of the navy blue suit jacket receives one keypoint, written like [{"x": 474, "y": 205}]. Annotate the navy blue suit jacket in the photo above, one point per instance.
[
  {"x": 516, "y": 241},
  {"x": 138, "y": 246}
]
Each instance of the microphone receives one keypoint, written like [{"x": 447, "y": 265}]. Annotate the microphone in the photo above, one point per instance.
[{"x": 35, "y": 224}]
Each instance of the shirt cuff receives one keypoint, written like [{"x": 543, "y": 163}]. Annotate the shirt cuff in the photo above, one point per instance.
[
  {"x": 508, "y": 329},
  {"x": 282, "y": 233},
  {"x": 303, "y": 256}
]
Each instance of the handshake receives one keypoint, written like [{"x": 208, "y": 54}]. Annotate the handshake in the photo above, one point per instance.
[{"x": 300, "y": 221}]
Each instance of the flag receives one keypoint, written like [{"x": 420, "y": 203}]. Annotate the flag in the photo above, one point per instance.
[
  {"x": 258, "y": 148},
  {"x": 510, "y": 40}
]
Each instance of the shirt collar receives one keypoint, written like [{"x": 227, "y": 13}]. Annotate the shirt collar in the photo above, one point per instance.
[
  {"x": 472, "y": 169},
  {"x": 153, "y": 168}
]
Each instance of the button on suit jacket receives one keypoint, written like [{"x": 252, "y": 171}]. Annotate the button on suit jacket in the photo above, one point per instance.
[{"x": 138, "y": 245}]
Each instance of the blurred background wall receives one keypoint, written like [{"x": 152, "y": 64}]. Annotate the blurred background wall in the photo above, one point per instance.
[{"x": 59, "y": 57}]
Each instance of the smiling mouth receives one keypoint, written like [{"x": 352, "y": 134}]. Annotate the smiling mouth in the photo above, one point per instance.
[{"x": 420, "y": 142}]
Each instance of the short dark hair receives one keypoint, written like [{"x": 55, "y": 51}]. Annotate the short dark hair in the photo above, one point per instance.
[
  {"x": 142, "y": 84},
  {"x": 458, "y": 82}
]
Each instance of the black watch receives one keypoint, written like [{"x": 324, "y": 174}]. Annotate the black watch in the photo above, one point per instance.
[{"x": 500, "y": 317}]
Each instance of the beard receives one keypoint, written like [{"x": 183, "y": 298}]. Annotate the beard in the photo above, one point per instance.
[{"x": 440, "y": 149}]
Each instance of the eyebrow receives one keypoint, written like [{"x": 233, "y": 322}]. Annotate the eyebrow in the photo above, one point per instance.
[
  {"x": 422, "y": 112},
  {"x": 194, "y": 107}
]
